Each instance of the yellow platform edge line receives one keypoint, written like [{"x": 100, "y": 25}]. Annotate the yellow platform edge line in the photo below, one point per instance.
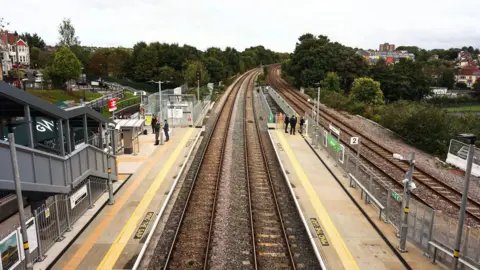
[
  {"x": 128, "y": 229},
  {"x": 341, "y": 248}
]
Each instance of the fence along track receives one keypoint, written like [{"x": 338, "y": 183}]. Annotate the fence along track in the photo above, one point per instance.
[
  {"x": 437, "y": 187},
  {"x": 191, "y": 243},
  {"x": 270, "y": 240}
]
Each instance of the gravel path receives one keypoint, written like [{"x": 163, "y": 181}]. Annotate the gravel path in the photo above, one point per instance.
[{"x": 231, "y": 240}]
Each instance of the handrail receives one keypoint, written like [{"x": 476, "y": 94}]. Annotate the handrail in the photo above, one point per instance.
[
  {"x": 367, "y": 194},
  {"x": 449, "y": 253}
]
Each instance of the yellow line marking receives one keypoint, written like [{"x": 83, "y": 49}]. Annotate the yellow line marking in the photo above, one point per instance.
[
  {"x": 336, "y": 239},
  {"x": 110, "y": 214},
  {"x": 125, "y": 235}
]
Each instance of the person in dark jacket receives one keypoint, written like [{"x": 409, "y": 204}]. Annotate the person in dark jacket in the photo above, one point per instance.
[
  {"x": 165, "y": 129},
  {"x": 157, "y": 131},
  {"x": 302, "y": 121},
  {"x": 293, "y": 124},
  {"x": 286, "y": 123},
  {"x": 154, "y": 123}
]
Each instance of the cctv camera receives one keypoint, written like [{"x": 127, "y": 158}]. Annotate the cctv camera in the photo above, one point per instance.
[{"x": 111, "y": 125}]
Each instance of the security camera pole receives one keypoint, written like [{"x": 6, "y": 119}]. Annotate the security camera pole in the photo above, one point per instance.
[
  {"x": 406, "y": 196},
  {"x": 466, "y": 183}
]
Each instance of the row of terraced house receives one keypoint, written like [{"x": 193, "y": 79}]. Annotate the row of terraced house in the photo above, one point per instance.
[{"x": 11, "y": 47}]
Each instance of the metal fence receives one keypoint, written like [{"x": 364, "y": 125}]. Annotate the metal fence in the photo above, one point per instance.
[
  {"x": 425, "y": 225},
  {"x": 57, "y": 216},
  {"x": 179, "y": 110}
]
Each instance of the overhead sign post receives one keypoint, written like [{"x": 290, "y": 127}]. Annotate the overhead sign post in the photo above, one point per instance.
[{"x": 112, "y": 106}]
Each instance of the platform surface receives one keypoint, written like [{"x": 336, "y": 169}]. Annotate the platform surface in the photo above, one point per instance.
[
  {"x": 353, "y": 243},
  {"x": 112, "y": 241}
]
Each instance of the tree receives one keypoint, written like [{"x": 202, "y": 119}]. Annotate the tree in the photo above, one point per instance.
[
  {"x": 67, "y": 34},
  {"x": 65, "y": 66},
  {"x": 98, "y": 62},
  {"x": 118, "y": 62},
  {"x": 39, "y": 58},
  {"x": 405, "y": 80},
  {"x": 146, "y": 65},
  {"x": 82, "y": 54},
  {"x": 16, "y": 73},
  {"x": 33, "y": 40},
  {"x": 366, "y": 90},
  {"x": 447, "y": 78},
  {"x": 190, "y": 74},
  {"x": 215, "y": 68},
  {"x": 331, "y": 82},
  {"x": 314, "y": 57},
  {"x": 476, "y": 85}
]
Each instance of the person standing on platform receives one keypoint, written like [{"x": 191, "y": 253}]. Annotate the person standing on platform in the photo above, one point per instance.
[
  {"x": 286, "y": 123},
  {"x": 293, "y": 124},
  {"x": 165, "y": 129},
  {"x": 157, "y": 131},
  {"x": 302, "y": 121},
  {"x": 154, "y": 123}
]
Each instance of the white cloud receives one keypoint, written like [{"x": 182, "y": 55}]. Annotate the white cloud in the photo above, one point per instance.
[{"x": 276, "y": 24}]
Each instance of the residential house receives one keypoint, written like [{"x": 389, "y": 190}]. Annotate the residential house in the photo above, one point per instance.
[
  {"x": 390, "y": 57},
  {"x": 464, "y": 59},
  {"x": 468, "y": 75},
  {"x": 13, "y": 45}
]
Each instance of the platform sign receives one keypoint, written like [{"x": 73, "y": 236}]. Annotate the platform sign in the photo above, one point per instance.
[
  {"x": 334, "y": 129},
  {"x": 112, "y": 104},
  {"x": 78, "y": 196},
  {"x": 354, "y": 140}
]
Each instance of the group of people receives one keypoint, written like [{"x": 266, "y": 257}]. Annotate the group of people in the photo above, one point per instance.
[
  {"x": 293, "y": 124},
  {"x": 156, "y": 129}
]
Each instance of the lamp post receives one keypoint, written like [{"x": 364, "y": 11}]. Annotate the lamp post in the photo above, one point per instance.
[
  {"x": 160, "y": 105},
  {"x": 407, "y": 190},
  {"x": 461, "y": 217},
  {"x": 18, "y": 190}
]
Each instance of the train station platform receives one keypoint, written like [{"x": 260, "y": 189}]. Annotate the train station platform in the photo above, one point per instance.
[
  {"x": 115, "y": 236},
  {"x": 346, "y": 237}
]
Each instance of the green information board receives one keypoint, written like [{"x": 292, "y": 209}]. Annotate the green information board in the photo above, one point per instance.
[
  {"x": 334, "y": 143},
  {"x": 396, "y": 196},
  {"x": 271, "y": 118}
]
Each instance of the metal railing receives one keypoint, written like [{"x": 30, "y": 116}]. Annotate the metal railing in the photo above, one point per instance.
[
  {"x": 56, "y": 216},
  {"x": 425, "y": 225}
]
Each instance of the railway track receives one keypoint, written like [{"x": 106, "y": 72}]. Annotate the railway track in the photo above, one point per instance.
[
  {"x": 271, "y": 246},
  {"x": 263, "y": 230},
  {"x": 430, "y": 190},
  {"x": 192, "y": 238}
]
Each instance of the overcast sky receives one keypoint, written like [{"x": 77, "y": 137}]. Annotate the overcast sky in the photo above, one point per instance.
[{"x": 276, "y": 24}]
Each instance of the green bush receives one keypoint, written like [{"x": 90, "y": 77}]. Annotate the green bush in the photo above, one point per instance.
[{"x": 422, "y": 125}]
